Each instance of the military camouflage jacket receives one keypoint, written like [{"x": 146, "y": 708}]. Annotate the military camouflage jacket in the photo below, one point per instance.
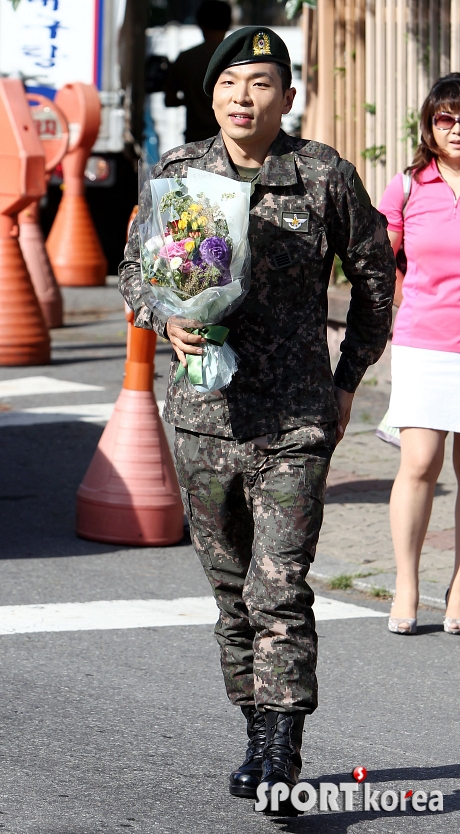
[{"x": 307, "y": 205}]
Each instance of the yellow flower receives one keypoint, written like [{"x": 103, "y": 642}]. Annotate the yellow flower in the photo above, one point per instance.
[
  {"x": 189, "y": 246},
  {"x": 185, "y": 216},
  {"x": 195, "y": 207},
  {"x": 194, "y": 225},
  {"x": 202, "y": 220},
  {"x": 182, "y": 224}
]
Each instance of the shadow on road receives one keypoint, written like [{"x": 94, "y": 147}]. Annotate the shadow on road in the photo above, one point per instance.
[
  {"x": 79, "y": 360},
  {"x": 428, "y": 629},
  {"x": 41, "y": 469},
  {"x": 367, "y": 491}
]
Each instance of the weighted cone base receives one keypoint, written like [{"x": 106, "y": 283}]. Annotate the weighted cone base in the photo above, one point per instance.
[
  {"x": 24, "y": 339},
  {"x": 130, "y": 494},
  {"x": 73, "y": 245},
  {"x": 41, "y": 273}
]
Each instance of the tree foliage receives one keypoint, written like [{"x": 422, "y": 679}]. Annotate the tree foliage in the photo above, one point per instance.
[{"x": 294, "y": 7}]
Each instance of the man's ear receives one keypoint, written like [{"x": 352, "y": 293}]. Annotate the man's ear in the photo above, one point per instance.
[{"x": 289, "y": 97}]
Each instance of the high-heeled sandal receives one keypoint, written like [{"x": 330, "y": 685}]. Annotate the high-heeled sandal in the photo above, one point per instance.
[
  {"x": 395, "y": 623},
  {"x": 451, "y": 625}
]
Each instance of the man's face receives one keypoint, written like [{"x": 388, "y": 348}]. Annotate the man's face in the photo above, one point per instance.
[{"x": 248, "y": 102}]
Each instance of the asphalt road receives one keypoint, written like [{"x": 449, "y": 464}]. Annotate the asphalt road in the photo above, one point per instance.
[{"x": 130, "y": 728}]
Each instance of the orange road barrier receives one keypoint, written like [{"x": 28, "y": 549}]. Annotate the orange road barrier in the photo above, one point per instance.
[
  {"x": 53, "y": 133},
  {"x": 130, "y": 494},
  {"x": 73, "y": 245},
  {"x": 24, "y": 338}
]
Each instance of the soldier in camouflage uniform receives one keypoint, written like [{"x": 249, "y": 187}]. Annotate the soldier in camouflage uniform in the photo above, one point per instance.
[{"x": 252, "y": 459}]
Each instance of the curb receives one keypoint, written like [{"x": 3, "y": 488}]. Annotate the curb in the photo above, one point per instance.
[{"x": 433, "y": 602}]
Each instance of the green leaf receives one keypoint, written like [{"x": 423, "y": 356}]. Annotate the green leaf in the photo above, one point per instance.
[
  {"x": 294, "y": 7},
  {"x": 15, "y": 3},
  {"x": 411, "y": 128},
  {"x": 375, "y": 153}
]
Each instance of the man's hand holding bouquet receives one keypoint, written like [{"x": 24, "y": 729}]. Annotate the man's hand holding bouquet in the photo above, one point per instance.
[{"x": 195, "y": 262}]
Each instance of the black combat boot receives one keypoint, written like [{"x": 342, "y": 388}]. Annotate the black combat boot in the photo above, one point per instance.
[
  {"x": 244, "y": 781},
  {"x": 281, "y": 758}
]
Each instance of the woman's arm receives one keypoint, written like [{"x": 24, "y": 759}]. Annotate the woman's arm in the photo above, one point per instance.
[
  {"x": 396, "y": 240},
  {"x": 392, "y": 206}
]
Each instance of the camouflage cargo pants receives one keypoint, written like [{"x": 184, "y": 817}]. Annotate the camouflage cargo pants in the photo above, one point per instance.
[{"x": 255, "y": 514}]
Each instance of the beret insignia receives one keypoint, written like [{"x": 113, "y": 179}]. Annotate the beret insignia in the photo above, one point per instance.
[{"x": 261, "y": 44}]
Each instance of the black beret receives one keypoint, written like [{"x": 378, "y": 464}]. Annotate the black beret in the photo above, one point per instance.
[{"x": 249, "y": 45}]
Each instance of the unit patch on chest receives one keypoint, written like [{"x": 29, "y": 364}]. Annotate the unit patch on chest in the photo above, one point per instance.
[{"x": 295, "y": 221}]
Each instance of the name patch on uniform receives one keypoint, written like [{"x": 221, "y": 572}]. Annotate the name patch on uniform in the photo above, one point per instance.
[{"x": 295, "y": 221}]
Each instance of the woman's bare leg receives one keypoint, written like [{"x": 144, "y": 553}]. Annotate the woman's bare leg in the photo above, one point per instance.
[
  {"x": 422, "y": 455},
  {"x": 453, "y": 608}
]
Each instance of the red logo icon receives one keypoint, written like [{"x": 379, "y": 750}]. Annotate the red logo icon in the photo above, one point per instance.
[
  {"x": 408, "y": 794},
  {"x": 359, "y": 774}
]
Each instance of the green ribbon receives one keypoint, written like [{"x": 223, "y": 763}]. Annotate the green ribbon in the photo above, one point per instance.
[{"x": 215, "y": 334}]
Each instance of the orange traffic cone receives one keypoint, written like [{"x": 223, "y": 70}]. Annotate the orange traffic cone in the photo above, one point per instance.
[
  {"x": 130, "y": 493},
  {"x": 72, "y": 244},
  {"x": 38, "y": 264},
  {"x": 24, "y": 339}
]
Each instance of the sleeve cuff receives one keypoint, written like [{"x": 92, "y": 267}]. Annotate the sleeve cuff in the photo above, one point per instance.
[
  {"x": 149, "y": 320},
  {"x": 349, "y": 374}
]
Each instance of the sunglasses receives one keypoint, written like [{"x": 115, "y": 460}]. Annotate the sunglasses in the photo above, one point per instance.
[{"x": 445, "y": 121}]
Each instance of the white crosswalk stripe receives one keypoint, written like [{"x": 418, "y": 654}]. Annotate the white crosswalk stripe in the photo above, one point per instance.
[
  {"x": 102, "y": 615},
  {"x": 27, "y": 386},
  {"x": 40, "y": 385},
  {"x": 91, "y": 413}
]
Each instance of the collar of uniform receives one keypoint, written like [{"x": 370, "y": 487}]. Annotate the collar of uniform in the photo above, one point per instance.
[
  {"x": 210, "y": 153},
  {"x": 430, "y": 173},
  {"x": 279, "y": 166},
  {"x": 219, "y": 155}
]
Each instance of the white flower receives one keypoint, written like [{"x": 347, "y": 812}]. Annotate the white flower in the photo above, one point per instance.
[
  {"x": 154, "y": 244},
  {"x": 175, "y": 263}
]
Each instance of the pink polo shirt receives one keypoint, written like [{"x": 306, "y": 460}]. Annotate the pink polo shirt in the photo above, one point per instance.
[{"x": 429, "y": 316}]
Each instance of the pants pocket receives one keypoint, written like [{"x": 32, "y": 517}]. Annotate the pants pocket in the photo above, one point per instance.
[{"x": 289, "y": 503}]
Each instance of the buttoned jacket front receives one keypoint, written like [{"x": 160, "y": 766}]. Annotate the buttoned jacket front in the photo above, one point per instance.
[{"x": 307, "y": 205}]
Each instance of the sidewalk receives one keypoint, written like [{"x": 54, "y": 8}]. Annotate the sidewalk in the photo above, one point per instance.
[{"x": 355, "y": 541}]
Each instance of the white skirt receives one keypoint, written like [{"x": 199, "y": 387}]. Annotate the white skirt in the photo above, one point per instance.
[{"x": 425, "y": 389}]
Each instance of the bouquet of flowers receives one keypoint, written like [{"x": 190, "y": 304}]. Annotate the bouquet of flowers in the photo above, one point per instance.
[{"x": 195, "y": 261}]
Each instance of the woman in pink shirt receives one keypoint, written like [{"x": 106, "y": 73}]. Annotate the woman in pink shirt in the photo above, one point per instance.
[{"x": 425, "y": 398}]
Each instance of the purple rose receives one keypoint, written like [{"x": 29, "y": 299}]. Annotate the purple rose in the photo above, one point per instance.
[{"x": 214, "y": 251}]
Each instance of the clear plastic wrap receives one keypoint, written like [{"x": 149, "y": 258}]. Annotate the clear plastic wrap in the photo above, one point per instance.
[
  {"x": 219, "y": 364},
  {"x": 211, "y": 249}
]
